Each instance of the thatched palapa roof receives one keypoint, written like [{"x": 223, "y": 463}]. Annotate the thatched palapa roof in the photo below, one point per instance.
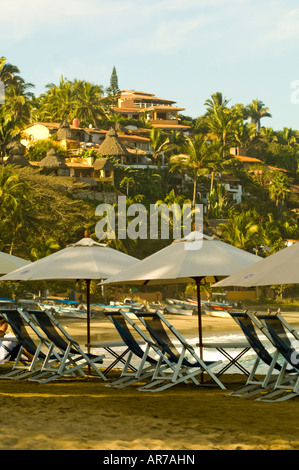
[
  {"x": 15, "y": 147},
  {"x": 52, "y": 161},
  {"x": 17, "y": 158},
  {"x": 64, "y": 131},
  {"x": 112, "y": 145},
  {"x": 103, "y": 164}
]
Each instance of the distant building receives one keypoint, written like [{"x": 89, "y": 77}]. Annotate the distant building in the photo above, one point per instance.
[
  {"x": 75, "y": 139},
  {"x": 158, "y": 112}
]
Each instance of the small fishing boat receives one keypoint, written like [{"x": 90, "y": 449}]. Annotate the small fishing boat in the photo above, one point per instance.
[
  {"x": 176, "y": 310},
  {"x": 181, "y": 303},
  {"x": 210, "y": 311},
  {"x": 68, "y": 311}
]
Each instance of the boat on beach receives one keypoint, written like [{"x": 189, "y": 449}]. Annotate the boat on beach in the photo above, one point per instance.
[
  {"x": 210, "y": 311},
  {"x": 176, "y": 310},
  {"x": 67, "y": 309},
  {"x": 214, "y": 304}
]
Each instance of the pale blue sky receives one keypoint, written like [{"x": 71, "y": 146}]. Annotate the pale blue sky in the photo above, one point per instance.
[{"x": 183, "y": 50}]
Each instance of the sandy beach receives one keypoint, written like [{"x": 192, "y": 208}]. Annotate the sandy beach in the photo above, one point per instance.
[{"x": 84, "y": 414}]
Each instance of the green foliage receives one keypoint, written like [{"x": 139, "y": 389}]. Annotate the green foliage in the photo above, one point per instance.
[
  {"x": 30, "y": 201},
  {"x": 69, "y": 100},
  {"x": 39, "y": 150}
]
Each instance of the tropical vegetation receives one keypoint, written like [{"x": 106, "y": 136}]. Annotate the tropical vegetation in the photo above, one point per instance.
[{"x": 186, "y": 167}]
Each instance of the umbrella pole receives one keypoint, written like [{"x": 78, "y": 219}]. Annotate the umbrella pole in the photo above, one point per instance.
[
  {"x": 198, "y": 282},
  {"x": 88, "y": 317}
]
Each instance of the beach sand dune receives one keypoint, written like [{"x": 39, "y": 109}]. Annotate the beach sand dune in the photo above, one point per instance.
[{"x": 84, "y": 414}]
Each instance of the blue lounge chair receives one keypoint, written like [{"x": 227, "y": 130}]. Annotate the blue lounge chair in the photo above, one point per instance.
[
  {"x": 254, "y": 384},
  {"x": 287, "y": 384},
  {"x": 72, "y": 358},
  {"x": 184, "y": 364},
  {"x": 146, "y": 362},
  {"x": 23, "y": 369}
]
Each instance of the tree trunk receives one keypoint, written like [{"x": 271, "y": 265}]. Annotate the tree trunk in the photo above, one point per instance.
[{"x": 194, "y": 193}]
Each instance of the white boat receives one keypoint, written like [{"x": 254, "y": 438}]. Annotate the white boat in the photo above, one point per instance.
[
  {"x": 157, "y": 306},
  {"x": 213, "y": 312},
  {"x": 132, "y": 302},
  {"x": 74, "y": 314},
  {"x": 180, "y": 303},
  {"x": 65, "y": 311},
  {"x": 176, "y": 310}
]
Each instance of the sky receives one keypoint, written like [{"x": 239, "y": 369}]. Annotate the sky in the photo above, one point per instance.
[{"x": 183, "y": 50}]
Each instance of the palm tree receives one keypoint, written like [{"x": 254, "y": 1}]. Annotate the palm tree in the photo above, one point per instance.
[
  {"x": 60, "y": 100},
  {"x": 279, "y": 188},
  {"x": 44, "y": 248},
  {"x": 9, "y": 132},
  {"x": 14, "y": 205},
  {"x": 288, "y": 137},
  {"x": 8, "y": 72},
  {"x": 193, "y": 160},
  {"x": 127, "y": 182},
  {"x": 245, "y": 134},
  {"x": 88, "y": 106},
  {"x": 159, "y": 143},
  {"x": 269, "y": 235},
  {"x": 241, "y": 230},
  {"x": 217, "y": 100},
  {"x": 256, "y": 111},
  {"x": 219, "y": 202},
  {"x": 268, "y": 134},
  {"x": 222, "y": 124},
  {"x": 69, "y": 100},
  {"x": 18, "y": 101}
]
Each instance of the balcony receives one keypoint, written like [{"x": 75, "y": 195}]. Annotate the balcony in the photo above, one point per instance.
[{"x": 167, "y": 122}]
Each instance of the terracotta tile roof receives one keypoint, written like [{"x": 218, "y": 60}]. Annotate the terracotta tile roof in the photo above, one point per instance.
[
  {"x": 133, "y": 138},
  {"x": 163, "y": 107},
  {"x": 171, "y": 126},
  {"x": 129, "y": 110},
  {"x": 142, "y": 95},
  {"x": 274, "y": 168},
  {"x": 248, "y": 159}
]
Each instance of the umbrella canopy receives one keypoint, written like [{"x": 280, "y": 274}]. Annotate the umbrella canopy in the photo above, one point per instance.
[
  {"x": 193, "y": 258},
  {"x": 85, "y": 259},
  {"x": 10, "y": 263},
  {"x": 280, "y": 268}
]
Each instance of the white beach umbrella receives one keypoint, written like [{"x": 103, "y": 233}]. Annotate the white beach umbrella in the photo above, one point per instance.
[
  {"x": 196, "y": 257},
  {"x": 9, "y": 263},
  {"x": 280, "y": 268},
  {"x": 85, "y": 259}
]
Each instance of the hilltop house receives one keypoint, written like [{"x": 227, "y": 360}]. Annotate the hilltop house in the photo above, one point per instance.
[
  {"x": 90, "y": 170},
  {"x": 75, "y": 139},
  {"x": 158, "y": 112}
]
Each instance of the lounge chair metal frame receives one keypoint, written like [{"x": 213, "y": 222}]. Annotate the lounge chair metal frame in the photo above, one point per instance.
[
  {"x": 24, "y": 369},
  {"x": 72, "y": 357},
  {"x": 147, "y": 366},
  {"x": 181, "y": 368},
  {"x": 255, "y": 385},
  {"x": 287, "y": 383}
]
